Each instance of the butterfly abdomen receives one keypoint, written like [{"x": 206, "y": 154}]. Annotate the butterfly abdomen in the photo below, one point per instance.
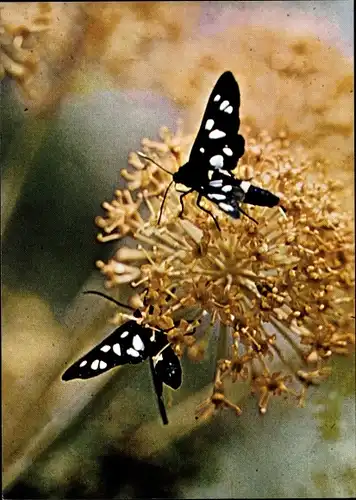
[{"x": 258, "y": 196}]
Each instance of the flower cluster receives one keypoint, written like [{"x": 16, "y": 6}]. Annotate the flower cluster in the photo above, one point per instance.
[
  {"x": 18, "y": 32},
  {"x": 281, "y": 291}
]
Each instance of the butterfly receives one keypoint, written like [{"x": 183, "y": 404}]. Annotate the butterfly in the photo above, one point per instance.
[
  {"x": 132, "y": 343},
  {"x": 215, "y": 153}
]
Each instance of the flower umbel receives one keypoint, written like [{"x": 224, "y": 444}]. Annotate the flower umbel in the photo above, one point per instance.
[
  {"x": 19, "y": 30},
  {"x": 281, "y": 291}
]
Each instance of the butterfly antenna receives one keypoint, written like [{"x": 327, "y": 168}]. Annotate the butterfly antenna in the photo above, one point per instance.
[
  {"x": 150, "y": 159},
  {"x": 158, "y": 390},
  {"x": 94, "y": 292},
  {"x": 166, "y": 192},
  {"x": 162, "y": 204}
]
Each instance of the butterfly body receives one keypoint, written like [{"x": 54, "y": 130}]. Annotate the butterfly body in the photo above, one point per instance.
[
  {"x": 216, "y": 152},
  {"x": 132, "y": 343},
  {"x": 227, "y": 192}
]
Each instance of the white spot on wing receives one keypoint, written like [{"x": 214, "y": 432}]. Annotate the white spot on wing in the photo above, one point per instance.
[
  {"x": 117, "y": 349},
  {"x": 217, "y": 161},
  {"x": 227, "y": 188},
  {"x": 103, "y": 365},
  {"x": 137, "y": 343},
  {"x": 217, "y": 97},
  {"x": 132, "y": 352},
  {"x": 216, "y": 134},
  {"x": 105, "y": 348},
  {"x": 245, "y": 186},
  {"x": 83, "y": 363},
  {"x": 95, "y": 364},
  {"x": 229, "y": 110},
  {"x": 217, "y": 183},
  {"x": 202, "y": 150},
  {"x": 226, "y": 207},
  {"x": 210, "y": 174},
  {"x": 124, "y": 334},
  {"x": 223, "y": 105},
  {"x": 209, "y": 124},
  {"x": 215, "y": 196},
  {"x": 227, "y": 151}
]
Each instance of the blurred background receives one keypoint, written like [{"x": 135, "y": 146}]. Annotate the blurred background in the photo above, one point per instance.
[{"x": 82, "y": 84}]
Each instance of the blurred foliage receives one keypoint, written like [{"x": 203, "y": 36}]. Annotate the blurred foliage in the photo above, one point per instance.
[
  {"x": 341, "y": 386},
  {"x": 215, "y": 458},
  {"x": 51, "y": 232}
]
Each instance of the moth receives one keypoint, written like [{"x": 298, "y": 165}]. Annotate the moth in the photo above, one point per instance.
[
  {"x": 215, "y": 153},
  {"x": 132, "y": 343}
]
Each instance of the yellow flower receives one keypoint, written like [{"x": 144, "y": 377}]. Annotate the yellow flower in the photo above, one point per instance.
[
  {"x": 37, "y": 43},
  {"x": 281, "y": 290},
  {"x": 20, "y": 26}
]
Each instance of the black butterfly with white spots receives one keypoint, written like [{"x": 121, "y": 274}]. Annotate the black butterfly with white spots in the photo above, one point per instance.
[
  {"x": 215, "y": 153},
  {"x": 132, "y": 343}
]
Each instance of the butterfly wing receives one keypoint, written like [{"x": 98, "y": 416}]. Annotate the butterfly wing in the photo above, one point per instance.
[
  {"x": 218, "y": 145},
  {"x": 165, "y": 368},
  {"x": 166, "y": 363},
  {"x": 127, "y": 344},
  {"x": 168, "y": 368},
  {"x": 226, "y": 192}
]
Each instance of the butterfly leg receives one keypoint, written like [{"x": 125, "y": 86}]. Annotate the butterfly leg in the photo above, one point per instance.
[
  {"x": 243, "y": 212},
  {"x": 207, "y": 211},
  {"x": 181, "y": 200}
]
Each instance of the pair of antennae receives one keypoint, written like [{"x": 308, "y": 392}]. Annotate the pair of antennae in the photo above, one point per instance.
[{"x": 166, "y": 192}]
